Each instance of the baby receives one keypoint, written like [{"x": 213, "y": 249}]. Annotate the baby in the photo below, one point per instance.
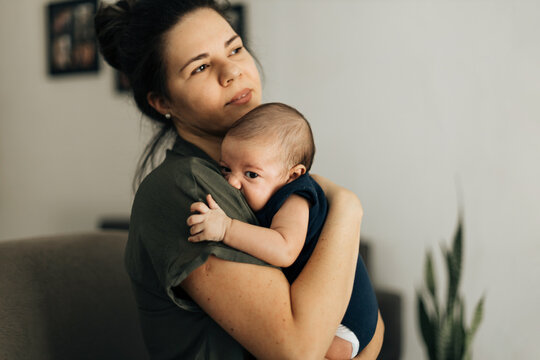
[{"x": 267, "y": 155}]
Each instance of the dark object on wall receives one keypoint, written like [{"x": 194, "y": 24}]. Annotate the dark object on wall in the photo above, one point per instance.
[
  {"x": 72, "y": 46},
  {"x": 235, "y": 15}
]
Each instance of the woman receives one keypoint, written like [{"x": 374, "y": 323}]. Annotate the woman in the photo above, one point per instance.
[{"x": 190, "y": 72}]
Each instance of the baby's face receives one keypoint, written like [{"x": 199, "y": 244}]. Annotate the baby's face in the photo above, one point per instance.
[{"x": 256, "y": 168}]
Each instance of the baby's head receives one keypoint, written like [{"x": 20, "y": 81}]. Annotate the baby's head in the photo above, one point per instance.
[{"x": 267, "y": 148}]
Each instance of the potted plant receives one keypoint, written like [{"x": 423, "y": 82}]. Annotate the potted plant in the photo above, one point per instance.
[{"x": 444, "y": 331}]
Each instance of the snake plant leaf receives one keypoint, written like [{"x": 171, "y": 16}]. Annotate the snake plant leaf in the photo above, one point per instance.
[
  {"x": 478, "y": 315},
  {"x": 445, "y": 333},
  {"x": 458, "y": 339},
  {"x": 430, "y": 279},
  {"x": 444, "y": 340},
  {"x": 457, "y": 251},
  {"x": 453, "y": 263},
  {"x": 477, "y": 319},
  {"x": 427, "y": 327},
  {"x": 452, "y": 282},
  {"x": 458, "y": 331}
]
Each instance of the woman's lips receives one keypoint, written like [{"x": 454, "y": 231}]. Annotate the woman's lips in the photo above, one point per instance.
[{"x": 240, "y": 98}]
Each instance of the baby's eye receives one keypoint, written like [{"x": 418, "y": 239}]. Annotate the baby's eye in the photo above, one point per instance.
[
  {"x": 225, "y": 170},
  {"x": 251, "y": 174}
]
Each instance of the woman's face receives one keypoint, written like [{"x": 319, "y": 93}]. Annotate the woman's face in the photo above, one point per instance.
[{"x": 212, "y": 78}]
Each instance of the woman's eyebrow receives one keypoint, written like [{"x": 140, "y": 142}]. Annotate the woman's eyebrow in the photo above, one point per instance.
[
  {"x": 205, "y": 55},
  {"x": 228, "y": 42},
  {"x": 198, "y": 57}
]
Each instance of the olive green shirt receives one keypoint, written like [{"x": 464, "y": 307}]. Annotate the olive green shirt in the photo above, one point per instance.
[{"x": 159, "y": 257}]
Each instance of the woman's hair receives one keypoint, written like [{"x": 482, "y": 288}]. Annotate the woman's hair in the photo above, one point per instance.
[
  {"x": 131, "y": 36},
  {"x": 283, "y": 124}
]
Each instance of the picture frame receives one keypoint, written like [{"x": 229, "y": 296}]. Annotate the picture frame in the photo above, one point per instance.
[{"x": 72, "y": 46}]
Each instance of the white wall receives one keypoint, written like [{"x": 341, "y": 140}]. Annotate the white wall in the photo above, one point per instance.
[{"x": 404, "y": 97}]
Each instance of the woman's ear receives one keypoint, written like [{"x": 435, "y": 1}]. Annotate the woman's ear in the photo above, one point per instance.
[
  {"x": 158, "y": 102},
  {"x": 295, "y": 172}
]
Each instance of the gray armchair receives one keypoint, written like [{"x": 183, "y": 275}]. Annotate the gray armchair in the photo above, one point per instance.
[{"x": 67, "y": 297}]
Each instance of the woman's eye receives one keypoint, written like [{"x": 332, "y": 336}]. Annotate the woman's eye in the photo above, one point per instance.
[
  {"x": 251, "y": 174},
  {"x": 200, "y": 69},
  {"x": 236, "y": 51}
]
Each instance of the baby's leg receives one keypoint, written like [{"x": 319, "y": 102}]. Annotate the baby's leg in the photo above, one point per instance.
[{"x": 344, "y": 346}]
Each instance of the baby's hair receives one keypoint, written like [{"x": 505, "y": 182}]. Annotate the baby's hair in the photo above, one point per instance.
[{"x": 285, "y": 124}]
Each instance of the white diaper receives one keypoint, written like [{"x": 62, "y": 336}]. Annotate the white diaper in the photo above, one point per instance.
[{"x": 346, "y": 334}]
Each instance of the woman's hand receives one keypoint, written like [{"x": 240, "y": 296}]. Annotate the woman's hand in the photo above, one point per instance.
[{"x": 211, "y": 223}]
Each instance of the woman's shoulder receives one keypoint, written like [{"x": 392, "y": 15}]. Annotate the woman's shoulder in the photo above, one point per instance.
[
  {"x": 181, "y": 171},
  {"x": 186, "y": 165}
]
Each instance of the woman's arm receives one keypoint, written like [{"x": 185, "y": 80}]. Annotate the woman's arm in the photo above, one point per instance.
[
  {"x": 271, "y": 319},
  {"x": 278, "y": 245}
]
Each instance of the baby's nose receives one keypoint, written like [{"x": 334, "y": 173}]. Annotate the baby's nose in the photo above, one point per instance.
[{"x": 234, "y": 182}]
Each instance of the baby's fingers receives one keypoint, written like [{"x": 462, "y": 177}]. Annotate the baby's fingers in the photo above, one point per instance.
[
  {"x": 196, "y": 229},
  {"x": 202, "y": 236},
  {"x": 212, "y": 204},
  {"x": 196, "y": 238},
  {"x": 199, "y": 207},
  {"x": 195, "y": 219}
]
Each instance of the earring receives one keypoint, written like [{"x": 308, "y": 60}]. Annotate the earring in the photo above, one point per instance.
[{"x": 168, "y": 116}]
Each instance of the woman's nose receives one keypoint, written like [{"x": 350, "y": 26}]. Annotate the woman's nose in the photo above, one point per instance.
[
  {"x": 229, "y": 73},
  {"x": 234, "y": 182}
]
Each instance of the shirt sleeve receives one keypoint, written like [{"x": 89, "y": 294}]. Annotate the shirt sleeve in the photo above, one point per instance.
[{"x": 159, "y": 215}]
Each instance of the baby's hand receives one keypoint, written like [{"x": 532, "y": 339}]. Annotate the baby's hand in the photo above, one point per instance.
[{"x": 211, "y": 223}]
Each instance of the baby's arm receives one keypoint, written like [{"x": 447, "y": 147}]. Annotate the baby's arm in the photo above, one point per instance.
[{"x": 278, "y": 245}]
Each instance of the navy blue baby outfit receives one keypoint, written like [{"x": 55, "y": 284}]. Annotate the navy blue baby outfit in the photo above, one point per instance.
[{"x": 362, "y": 312}]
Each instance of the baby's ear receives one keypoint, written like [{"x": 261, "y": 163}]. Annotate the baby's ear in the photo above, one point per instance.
[{"x": 295, "y": 172}]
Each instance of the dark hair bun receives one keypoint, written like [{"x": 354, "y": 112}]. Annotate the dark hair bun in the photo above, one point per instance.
[{"x": 111, "y": 22}]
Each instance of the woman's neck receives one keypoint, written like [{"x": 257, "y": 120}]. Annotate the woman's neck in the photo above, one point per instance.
[{"x": 209, "y": 144}]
